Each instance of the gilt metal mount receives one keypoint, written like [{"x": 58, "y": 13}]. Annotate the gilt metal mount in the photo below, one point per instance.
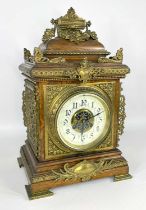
[{"x": 70, "y": 27}]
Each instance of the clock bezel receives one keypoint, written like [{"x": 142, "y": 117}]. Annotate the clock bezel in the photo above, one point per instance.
[
  {"x": 57, "y": 104},
  {"x": 97, "y": 140}
]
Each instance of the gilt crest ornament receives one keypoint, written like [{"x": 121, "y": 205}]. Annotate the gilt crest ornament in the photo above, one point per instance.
[{"x": 70, "y": 27}]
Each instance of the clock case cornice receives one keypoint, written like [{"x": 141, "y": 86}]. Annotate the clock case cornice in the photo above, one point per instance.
[
  {"x": 71, "y": 45},
  {"x": 69, "y": 71}
]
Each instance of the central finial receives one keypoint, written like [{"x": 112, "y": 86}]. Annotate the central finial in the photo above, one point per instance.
[
  {"x": 71, "y": 12},
  {"x": 71, "y": 20},
  {"x": 70, "y": 27}
]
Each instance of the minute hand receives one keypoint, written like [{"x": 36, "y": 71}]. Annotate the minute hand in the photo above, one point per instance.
[{"x": 95, "y": 115}]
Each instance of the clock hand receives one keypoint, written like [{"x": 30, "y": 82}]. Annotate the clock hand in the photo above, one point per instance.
[
  {"x": 77, "y": 125},
  {"x": 95, "y": 115},
  {"x": 83, "y": 124},
  {"x": 81, "y": 134},
  {"x": 82, "y": 130}
]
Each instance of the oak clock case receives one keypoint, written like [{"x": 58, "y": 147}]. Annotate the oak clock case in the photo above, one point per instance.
[{"x": 73, "y": 108}]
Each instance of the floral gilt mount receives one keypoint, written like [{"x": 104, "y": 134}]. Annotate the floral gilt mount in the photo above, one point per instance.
[{"x": 70, "y": 27}]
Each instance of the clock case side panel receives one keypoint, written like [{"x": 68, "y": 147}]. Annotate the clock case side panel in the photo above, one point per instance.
[
  {"x": 120, "y": 114},
  {"x": 117, "y": 94},
  {"x": 33, "y": 117}
]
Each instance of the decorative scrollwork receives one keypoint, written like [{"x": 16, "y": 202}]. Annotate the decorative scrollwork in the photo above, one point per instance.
[
  {"x": 81, "y": 73},
  {"x": 70, "y": 27},
  {"x": 122, "y": 115},
  {"x": 31, "y": 115},
  {"x": 48, "y": 34},
  {"x": 53, "y": 149},
  {"x": 108, "y": 87},
  {"x": 39, "y": 57},
  {"x": 84, "y": 170},
  {"x": 87, "y": 71},
  {"x": 52, "y": 144},
  {"x": 27, "y": 56},
  {"x": 118, "y": 58},
  {"x": 84, "y": 72},
  {"x": 106, "y": 143}
]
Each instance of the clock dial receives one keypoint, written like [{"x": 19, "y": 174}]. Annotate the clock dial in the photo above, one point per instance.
[{"x": 83, "y": 120}]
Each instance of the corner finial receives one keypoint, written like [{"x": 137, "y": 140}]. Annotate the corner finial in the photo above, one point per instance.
[{"x": 118, "y": 58}]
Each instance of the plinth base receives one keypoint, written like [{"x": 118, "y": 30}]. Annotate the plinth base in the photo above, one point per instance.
[{"x": 43, "y": 176}]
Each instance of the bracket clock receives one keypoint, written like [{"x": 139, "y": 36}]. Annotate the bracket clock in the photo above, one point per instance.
[{"x": 73, "y": 108}]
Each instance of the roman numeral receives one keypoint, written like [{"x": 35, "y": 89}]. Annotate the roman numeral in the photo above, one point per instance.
[
  {"x": 83, "y": 102},
  {"x": 75, "y": 105},
  {"x": 68, "y": 112},
  {"x": 65, "y": 122}
]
